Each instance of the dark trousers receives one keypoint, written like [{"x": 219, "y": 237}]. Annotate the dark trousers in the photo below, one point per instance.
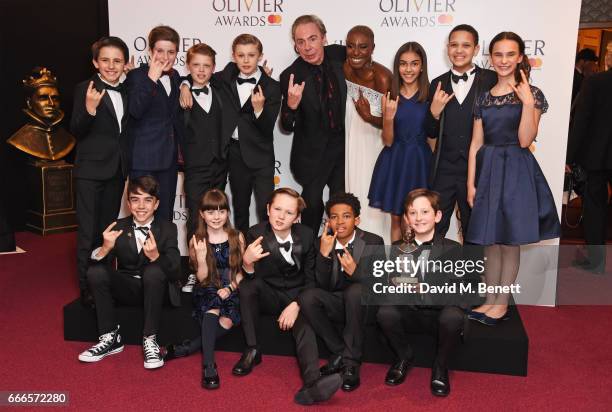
[
  {"x": 244, "y": 181},
  {"x": 256, "y": 296},
  {"x": 445, "y": 324},
  {"x": 452, "y": 188},
  {"x": 109, "y": 286},
  {"x": 97, "y": 206},
  {"x": 596, "y": 213},
  {"x": 330, "y": 173},
  {"x": 167, "y": 189},
  {"x": 323, "y": 308},
  {"x": 199, "y": 180}
]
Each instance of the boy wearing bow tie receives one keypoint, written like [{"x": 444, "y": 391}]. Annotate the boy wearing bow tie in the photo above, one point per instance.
[
  {"x": 449, "y": 121},
  {"x": 278, "y": 264},
  {"x": 99, "y": 121},
  {"x": 251, "y": 102},
  {"x": 154, "y": 109},
  {"x": 147, "y": 268},
  {"x": 343, "y": 266}
]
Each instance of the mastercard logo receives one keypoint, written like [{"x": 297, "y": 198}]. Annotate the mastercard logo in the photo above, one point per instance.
[
  {"x": 445, "y": 19},
  {"x": 535, "y": 62},
  {"x": 275, "y": 19},
  {"x": 276, "y": 180}
]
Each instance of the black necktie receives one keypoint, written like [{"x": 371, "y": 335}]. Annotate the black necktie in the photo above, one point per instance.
[
  {"x": 202, "y": 90},
  {"x": 143, "y": 229},
  {"x": 456, "y": 78},
  {"x": 117, "y": 88},
  {"x": 285, "y": 245},
  {"x": 348, "y": 247},
  {"x": 251, "y": 80}
]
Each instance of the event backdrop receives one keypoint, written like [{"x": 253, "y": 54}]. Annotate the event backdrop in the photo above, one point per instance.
[{"x": 548, "y": 28}]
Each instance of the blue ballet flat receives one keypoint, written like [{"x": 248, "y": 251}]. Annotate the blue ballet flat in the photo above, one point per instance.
[
  {"x": 475, "y": 315},
  {"x": 489, "y": 321}
]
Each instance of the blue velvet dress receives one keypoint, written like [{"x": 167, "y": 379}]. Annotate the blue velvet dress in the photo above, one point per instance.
[
  {"x": 404, "y": 165},
  {"x": 205, "y": 298},
  {"x": 513, "y": 203}
]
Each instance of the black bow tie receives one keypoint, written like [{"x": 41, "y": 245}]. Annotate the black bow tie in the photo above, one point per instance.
[
  {"x": 167, "y": 73},
  {"x": 456, "y": 78},
  {"x": 143, "y": 229},
  {"x": 285, "y": 245},
  {"x": 202, "y": 90},
  {"x": 118, "y": 88},
  {"x": 348, "y": 247},
  {"x": 251, "y": 80}
]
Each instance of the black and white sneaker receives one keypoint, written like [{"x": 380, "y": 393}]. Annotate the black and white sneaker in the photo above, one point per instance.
[
  {"x": 191, "y": 281},
  {"x": 110, "y": 343},
  {"x": 152, "y": 356}
]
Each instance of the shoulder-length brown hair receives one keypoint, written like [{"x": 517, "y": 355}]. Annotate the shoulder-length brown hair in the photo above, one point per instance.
[
  {"x": 216, "y": 199},
  {"x": 423, "y": 80}
]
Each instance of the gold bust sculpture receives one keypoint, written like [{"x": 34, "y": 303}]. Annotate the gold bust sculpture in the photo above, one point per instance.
[{"x": 41, "y": 136}]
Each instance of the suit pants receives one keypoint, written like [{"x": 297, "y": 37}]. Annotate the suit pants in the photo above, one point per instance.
[
  {"x": 596, "y": 213},
  {"x": 199, "y": 180},
  {"x": 452, "y": 187},
  {"x": 244, "y": 181},
  {"x": 109, "y": 286},
  {"x": 167, "y": 189},
  {"x": 257, "y": 296},
  {"x": 330, "y": 173},
  {"x": 97, "y": 206},
  {"x": 446, "y": 324},
  {"x": 323, "y": 308}
]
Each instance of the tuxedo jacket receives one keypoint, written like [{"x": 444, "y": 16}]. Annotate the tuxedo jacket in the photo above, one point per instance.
[
  {"x": 309, "y": 140},
  {"x": 202, "y": 146},
  {"x": 256, "y": 134},
  {"x": 484, "y": 80},
  {"x": 273, "y": 269},
  {"x": 366, "y": 248},
  {"x": 129, "y": 261},
  {"x": 590, "y": 141},
  {"x": 102, "y": 149},
  {"x": 155, "y": 131}
]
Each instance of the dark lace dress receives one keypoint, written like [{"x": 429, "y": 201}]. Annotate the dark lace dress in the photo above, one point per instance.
[
  {"x": 513, "y": 203},
  {"x": 206, "y": 298}
]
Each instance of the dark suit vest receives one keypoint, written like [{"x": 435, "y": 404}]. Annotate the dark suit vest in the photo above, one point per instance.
[
  {"x": 202, "y": 135},
  {"x": 458, "y": 122}
]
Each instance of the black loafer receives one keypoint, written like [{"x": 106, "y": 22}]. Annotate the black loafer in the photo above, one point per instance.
[
  {"x": 397, "y": 373},
  {"x": 210, "y": 380},
  {"x": 333, "y": 366},
  {"x": 350, "y": 378},
  {"x": 249, "y": 358},
  {"x": 321, "y": 390},
  {"x": 440, "y": 384}
]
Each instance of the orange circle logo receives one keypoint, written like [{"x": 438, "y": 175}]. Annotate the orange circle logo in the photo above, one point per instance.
[
  {"x": 535, "y": 62},
  {"x": 275, "y": 19},
  {"x": 445, "y": 19},
  {"x": 276, "y": 180}
]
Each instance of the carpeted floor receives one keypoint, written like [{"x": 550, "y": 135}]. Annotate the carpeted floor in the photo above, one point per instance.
[{"x": 569, "y": 367}]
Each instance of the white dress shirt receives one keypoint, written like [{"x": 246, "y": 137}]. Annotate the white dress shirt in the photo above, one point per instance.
[
  {"x": 138, "y": 235},
  {"x": 462, "y": 88},
  {"x": 165, "y": 81},
  {"x": 117, "y": 100},
  {"x": 244, "y": 93},
  {"x": 340, "y": 247},
  {"x": 286, "y": 253},
  {"x": 203, "y": 100}
]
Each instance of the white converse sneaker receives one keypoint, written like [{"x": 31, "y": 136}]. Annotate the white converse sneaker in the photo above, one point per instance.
[
  {"x": 152, "y": 356},
  {"x": 191, "y": 281},
  {"x": 110, "y": 343}
]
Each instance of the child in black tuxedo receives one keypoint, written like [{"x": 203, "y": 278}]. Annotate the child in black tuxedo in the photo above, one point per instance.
[
  {"x": 343, "y": 264},
  {"x": 278, "y": 263},
  {"x": 251, "y": 102},
  {"x": 421, "y": 213},
  {"x": 99, "y": 120},
  {"x": 147, "y": 267}
]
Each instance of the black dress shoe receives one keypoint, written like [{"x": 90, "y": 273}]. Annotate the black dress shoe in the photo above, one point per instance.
[
  {"x": 249, "y": 358},
  {"x": 397, "y": 373},
  {"x": 87, "y": 299},
  {"x": 321, "y": 390},
  {"x": 210, "y": 377},
  {"x": 440, "y": 384},
  {"x": 334, "y": 365},
  {"x": 350, "y": 378}
]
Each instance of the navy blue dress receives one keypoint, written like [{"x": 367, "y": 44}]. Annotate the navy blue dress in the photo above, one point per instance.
[
  {"x": 205, "y": 298},
  {"x": 513, "y": 203},
  {"x": 404, "y": 165}
]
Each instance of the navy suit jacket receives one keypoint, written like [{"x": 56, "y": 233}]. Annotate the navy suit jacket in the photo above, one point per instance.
[{"x": 154, "y": 120}]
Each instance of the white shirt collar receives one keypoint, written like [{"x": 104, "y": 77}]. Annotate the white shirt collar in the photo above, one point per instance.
[
  {"x": 256, "y": 75},
  {"x": 339, "y": 245},
  {"x": 110, "y": 84},
  {"x": 148, "y": 224},
  {"x": 470, "y": 72}
]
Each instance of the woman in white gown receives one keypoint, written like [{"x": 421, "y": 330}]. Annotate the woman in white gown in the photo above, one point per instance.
[{"x": 367, "y": 81}]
